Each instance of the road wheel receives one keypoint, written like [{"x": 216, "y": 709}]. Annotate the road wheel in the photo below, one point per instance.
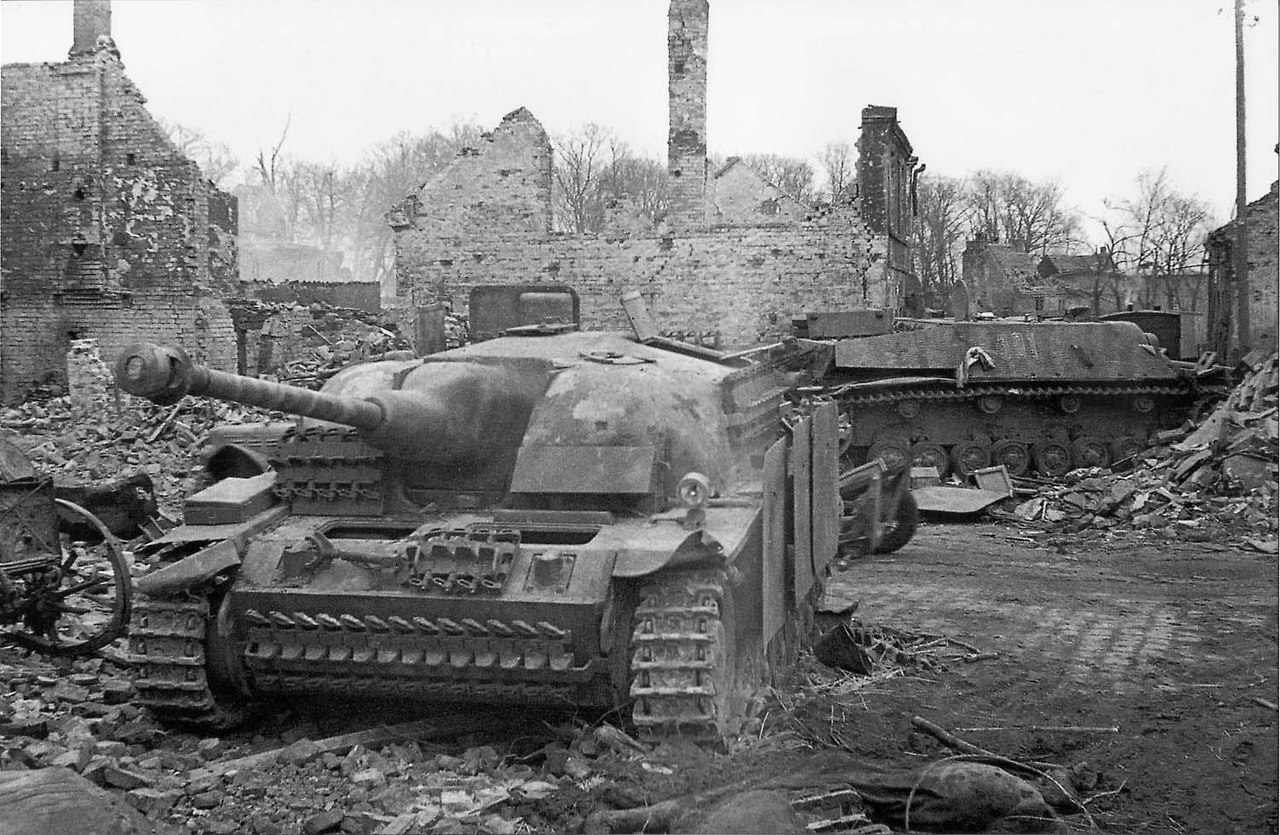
[
  {"x": 1051, "y": 458},
  {"x": 905, "y": 522},
  {"x": 931, "y": 455},
  {"x": 1086, "y": 452},
  {"x": 969, "y": 456},
  {"x": 1015, "y": 457},
  {"x": 894, "y": 453}
]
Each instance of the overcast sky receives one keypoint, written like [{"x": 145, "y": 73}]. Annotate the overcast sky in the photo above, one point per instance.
[{"x": 1087, "y": 92}]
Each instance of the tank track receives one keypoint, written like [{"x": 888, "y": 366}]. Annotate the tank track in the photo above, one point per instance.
[
  {"x": 167, "y": 655},
  {"x": 889, "y": 395},
  {"x": 682, "y": 661}
]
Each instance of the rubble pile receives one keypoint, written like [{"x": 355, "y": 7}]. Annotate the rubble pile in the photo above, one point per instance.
[
  {"x": 78, "y": 716},
  {"x": 306, "y": 344},
  {"x": 1211, "y": 480},
  {"x": 125, "y": 435}
]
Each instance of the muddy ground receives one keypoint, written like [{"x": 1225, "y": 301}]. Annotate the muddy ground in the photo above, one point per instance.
[{"x": 1170, "y": 644}]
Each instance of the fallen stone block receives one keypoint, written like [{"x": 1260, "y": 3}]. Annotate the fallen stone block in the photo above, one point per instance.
[{"x": 58, "y": 800}]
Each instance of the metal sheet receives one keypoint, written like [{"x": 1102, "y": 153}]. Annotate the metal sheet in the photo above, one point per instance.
[
  {"x": 826, "y": 506},
  {"x": 584, "y": 469},
  {"x": 954, "y": 501},
  {"x": 774, "y": 569},
  {"x": 1045, "y": 351},
  {"x": 802, "y": 503},
  {"x": 994, "y": 480}
]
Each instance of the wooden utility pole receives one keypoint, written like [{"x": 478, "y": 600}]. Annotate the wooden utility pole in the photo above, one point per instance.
[{"x": 1243, "y": 337}]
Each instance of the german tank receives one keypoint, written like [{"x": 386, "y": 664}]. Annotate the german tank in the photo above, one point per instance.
[
  {"x": 1034, "y": 396},
  {"x": 575, "y": 518}
]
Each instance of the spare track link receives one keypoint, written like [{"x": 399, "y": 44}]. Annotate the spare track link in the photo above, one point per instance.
[
  {"x": 1013, "y": 390},
  {"x": 682, "y": 656},
  {"x": 167, "y": 654}
]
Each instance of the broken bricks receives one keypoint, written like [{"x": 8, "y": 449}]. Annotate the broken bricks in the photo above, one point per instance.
[{"x": 1215, "y": 480}]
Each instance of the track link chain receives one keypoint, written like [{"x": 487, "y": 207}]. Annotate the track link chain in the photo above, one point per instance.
[
  {"x": 682, "y": 656},
  {"x": 167, "y": 656},
  {"x": 846, "y": 396}
]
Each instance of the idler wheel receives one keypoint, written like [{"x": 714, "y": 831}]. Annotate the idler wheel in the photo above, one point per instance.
[
  {"x": 1126, "y": 447},
  {"x": 1052, "y": 458},
  {"x": 1086, "y": 452},
  {"x": 970, "y": 456},
  {"x": 893, "y": 453},
  {"x": 931, "y": 455},
  {"x": 1015, "y": 457}
]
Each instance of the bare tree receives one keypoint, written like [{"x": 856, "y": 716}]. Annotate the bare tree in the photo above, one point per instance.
[
  {"x": 792, "y": 176},
  {"x": 1032, "y": 216},
  {"x": 269, "y": 168},
  {"x": 838, "y": 163},
  {"x": 939, "y": 233},
  {"x": 1157, "y": 234},
  {"x": 215, "y": 159},
  {"x": 581, "y": 160},
  {"x": 596, "y": 174}
]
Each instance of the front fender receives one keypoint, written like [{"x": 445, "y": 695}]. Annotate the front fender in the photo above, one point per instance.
[
  {"x": 697, "y": 546},
  {"x": 191, "y": 571}
]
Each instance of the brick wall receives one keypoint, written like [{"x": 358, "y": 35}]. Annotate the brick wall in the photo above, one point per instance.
[
  {"x": 358, "y": 295},
  {"x": 107, "y": 231},
  {"x": 1264, "y": 250},
  {"x": 484, "y": 220},
  {"x": 1264, "y": 303},
  {"x": 687, "y": 30},
  {"x": 744, "y": 282},
  {"x": 886, "y": 194}
]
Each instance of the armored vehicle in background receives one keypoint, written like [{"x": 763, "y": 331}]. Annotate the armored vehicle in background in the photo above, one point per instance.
[
  {"x": 1034, "y": 396},
  {"x": 553, "y": 517}
]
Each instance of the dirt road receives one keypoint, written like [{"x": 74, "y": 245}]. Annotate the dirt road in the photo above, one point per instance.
[{"x": 1169, "y": 642}]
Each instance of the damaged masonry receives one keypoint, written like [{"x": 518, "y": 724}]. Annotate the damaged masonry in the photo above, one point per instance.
[{"x": 702, "y": 522}]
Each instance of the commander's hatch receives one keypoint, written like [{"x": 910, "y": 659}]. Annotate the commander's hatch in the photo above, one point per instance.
[
  {"x": 647, "y": 333},
  {"x": 522, "y": 310}
]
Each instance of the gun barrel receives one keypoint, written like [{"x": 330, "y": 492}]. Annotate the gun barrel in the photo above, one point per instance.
[{"x": 164, "y": 375}]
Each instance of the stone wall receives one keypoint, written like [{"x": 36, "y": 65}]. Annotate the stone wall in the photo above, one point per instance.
[{"x": 108, "y": 232}]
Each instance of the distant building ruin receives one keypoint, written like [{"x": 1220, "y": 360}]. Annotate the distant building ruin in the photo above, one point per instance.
[
  {"x": 1264, "y": 254},
  {"x": 734, "y": 258},
  {"x": 108, "y": 231}
]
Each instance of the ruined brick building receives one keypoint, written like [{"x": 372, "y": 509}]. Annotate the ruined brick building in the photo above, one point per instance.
[
  {"x": 1005, "y": 280},
  {"x": 107, "y": 231},
  {"x": 1264, "y": 275},
  {"x": 733, "y": 256}
]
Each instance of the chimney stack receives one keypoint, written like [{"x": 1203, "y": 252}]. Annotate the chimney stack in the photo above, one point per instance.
[
  {"x": 92, "y": 20},
  {"x": 687, "y": 91}
]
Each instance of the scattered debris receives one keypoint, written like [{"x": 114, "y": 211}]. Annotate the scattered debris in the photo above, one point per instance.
[
  {"x": 955, "y": 502},
  {"x": 1215, "y": 480}
]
